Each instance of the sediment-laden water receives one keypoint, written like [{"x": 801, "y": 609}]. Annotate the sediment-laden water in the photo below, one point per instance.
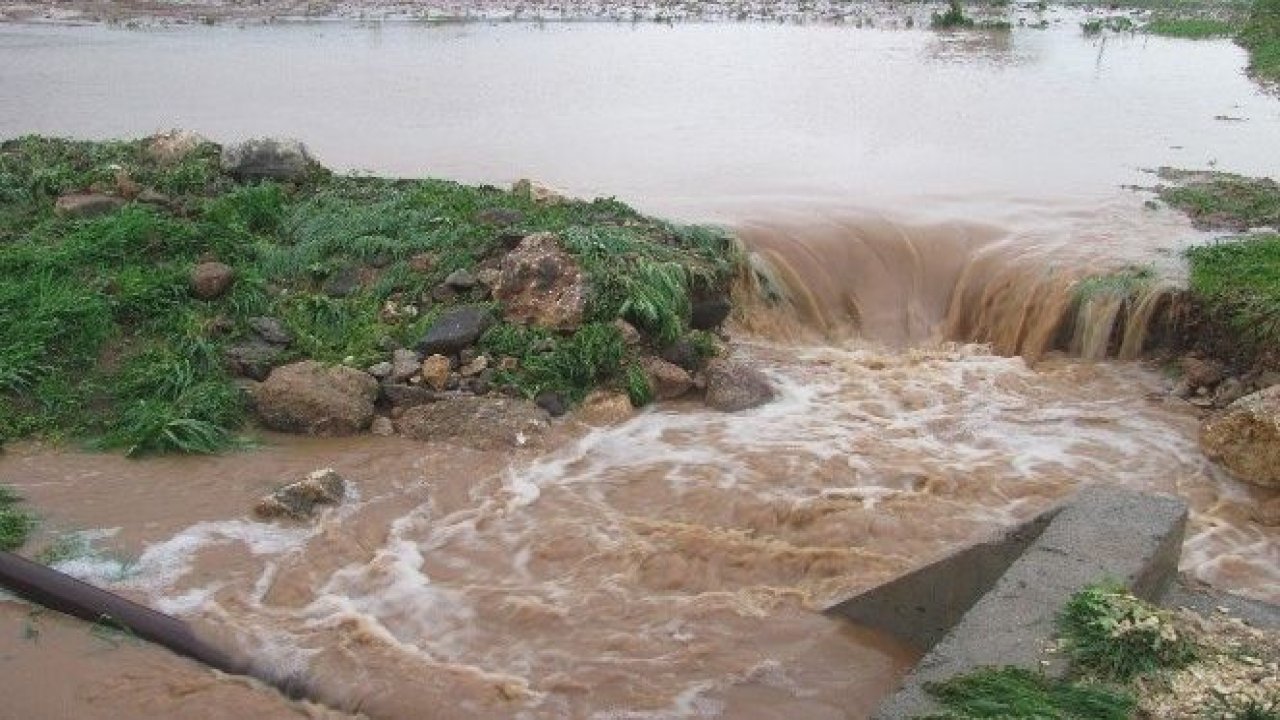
[{"x": 923, "y": 202}]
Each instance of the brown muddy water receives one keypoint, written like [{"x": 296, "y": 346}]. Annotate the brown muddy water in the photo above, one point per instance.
[{"x": 922, "y": 202}]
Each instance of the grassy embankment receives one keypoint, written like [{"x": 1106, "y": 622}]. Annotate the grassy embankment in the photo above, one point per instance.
[
  {"x": 1125, "y": 659},
  {"x": 101, "y": 339},
  {"x": 1258, "y": 30}
]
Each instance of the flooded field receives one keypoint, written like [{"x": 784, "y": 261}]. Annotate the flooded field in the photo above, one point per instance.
[{"x": 923, "y": 198}]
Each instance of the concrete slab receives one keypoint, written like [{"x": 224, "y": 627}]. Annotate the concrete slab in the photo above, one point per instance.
[{"x": 1103, "y": 534}]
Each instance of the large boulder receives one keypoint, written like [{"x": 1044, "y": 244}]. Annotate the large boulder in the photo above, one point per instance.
[
  {"x": 209, "y": 280},
  {"x": 733, "y": 385},
  {"x": 267, "y": 159},
  {"x": 541, "y": 284},
  {"x": 668, "y": 380},
  {"x": 1245, "y": 437},
  {"x": 483, "y": 423},
  {"x": 308, "y": 397},
  {"x": 456, "y": 329}
]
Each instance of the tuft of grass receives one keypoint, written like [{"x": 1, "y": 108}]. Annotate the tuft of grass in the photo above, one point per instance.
[
  {"x": 1111, "y": 635},
  {"x": 1124, "y": 283},
  {"x": 16, "y": 524},
  {"x": 639, "y": 390},
  {"x": 569, "y": 366},
  {"x": 1111, "y": 23},
  {"x": 1019, "y": 693},
  {"x": 954, "y": 17},
  {"x": 1239, "y": 280},
  {"x": 1191, "y": 28}
]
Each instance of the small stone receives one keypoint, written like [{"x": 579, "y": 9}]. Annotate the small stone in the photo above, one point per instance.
[
  {"x": 299, "y": 500},
  {"x": 506, "y": 363},
  {"x": 460, "y": 280},
  {"x": 271, "y": 330},
  {"x": 475, "y": 367},
  {"x": 381, "y": 370},
  {"x": 404, "y": 364},
  {"x": 1201, "y": 373},
  {"x": 254, "y": 359},
  {"x": 435, "y": 371},
  {"x": 669, "y": 381},
  {"x": 456, "y": 329},
  {"x": 209, "y": 280},
  {"x": 382, "y": 427}
]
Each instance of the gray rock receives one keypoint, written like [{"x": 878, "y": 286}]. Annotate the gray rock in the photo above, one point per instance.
[
  {"x": 484, "y": 423},
  {"x": 407, "y": 396},
  {"x": 404, "y": 364},
  {"x": 668, "y": 381},
  {"x": 271, "y": 330},
  {"x": 267, "y": 159},
  {"x": 710, "y": 314},
  {"x": 308, "y": 397},
  {"x": 1229, "y": 391},
  {"x": 209, "y": 280},
  {"x": 86, "y": 205},
  {"x": 299, "y": 500},
  {"x": 735, "y": 385},
  {"x": 456, "y": 329},
  {"x": 460, "y": 280},
  {"x": 552, "y": 402},
  {"x": 380, "y": 370},
  {"x": 253, "y": 359}
]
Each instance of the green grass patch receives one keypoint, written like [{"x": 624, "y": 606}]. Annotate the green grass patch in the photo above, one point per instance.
[
  {"x": 1239, "y": 281},
  {"x": 101, "y": 339},
  {"x": 953, "y": 17},
  {"x": 1125, "y": 283},
  {"x": 1191, "y": 28},
  {"x": 1111, "y": 23},
  {"x": 16, "y": 524},
  {"x": 1018, "y": 693},
  {"x": 1111, "y": 635},
  {"x": 1216, "y": 200},
  {"x": 1261, "y": 37}
]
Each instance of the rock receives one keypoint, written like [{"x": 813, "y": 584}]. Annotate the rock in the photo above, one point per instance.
[
  {"x": 308, "y": 397},
  {"x": 1229, "y": 391},
  {"x": 86, "y": 205},
  {"x": 1245, "y": 438},
  {"x": 253, "y": 359},
  {"x": 506, "y": 363},
  {"x": 1201, "y": 373},
  {"x": 475, "y": 367},
  {"x": 435, "y": 371},
  {"x": 381, "y": 370},
  {"x": 382, "y": 427},
  {"x": 605, "y": 407},
  {"x": 630, "y": 335},
  {"x": 460, "y": 280},
  {"x": 733, "y": 385},
  {"x": 344, "y": 282},
  {"x": 488, "y": 277},
  {"x": 407, "y": 396},
  {"x": 404, "y": 364},
  {"x": 668, "y": 381},
  {"x": 483, "y": 423},
  {"x": 537, "y": 192},
  {"x": 170, "y": 148},
  {"x": 456, "y": 329},
  {"x": 1267, "y": 513},
  {"x": 267, "y": 159},
  {"x": 443, "y": 294},
  {"x": 151, "y": 197},
  {"x": 499, "y": 217},
  {"x": 299, "y": 500},
  {"x": 541, "y": 284},
  {"x": 271, "y": 330},
  {"x": 552, "y": 402},
  {"x": 683, "y": 354},
  {"x": 709, "y": 314},
  {"x": 209, "y": 280}
]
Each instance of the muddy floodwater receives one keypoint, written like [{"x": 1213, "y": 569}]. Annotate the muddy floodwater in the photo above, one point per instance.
[{"x": 921, "y": 202}]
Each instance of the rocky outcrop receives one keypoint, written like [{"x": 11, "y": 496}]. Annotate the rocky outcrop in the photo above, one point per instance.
[
  {"x": 1245, "y": 438},
  {"x": 267, "y": 159},
  {"x": 209, "y": 280},
  {"x": 483, "y": 423},
  {"x": 733, "y": 385},
  {"x": 536, "y": 192},
  {"x": 299, "y": 500},
  {"x": 456, "y": 329},
  {"x": 315, "y": 399},
  {"x": 541, "y": 284},
  {"x": 170, "y": 148},
  {"x": 668, "y": 380},
  {"x": 86, "y": 205}
]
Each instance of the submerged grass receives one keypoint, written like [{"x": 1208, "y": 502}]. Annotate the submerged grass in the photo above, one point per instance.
[
  {"x": 1216, "y": 200},
  {"x": 16, "y": 523},
  {"x": 100, "y": 337}
]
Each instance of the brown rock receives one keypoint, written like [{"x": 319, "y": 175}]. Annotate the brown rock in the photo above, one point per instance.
[
  {"x": 484, "y": 423},
  {"x": 308, "y": 397},
  {"x": 209, "y": 280},
  {"x": 171, "y": 147},
  {"x": 299, "y": 500},
  {"x": 1198, "y": 372},
  {"x": 86, "y": 205},
  {"x": 734, "y": 385},
  {"x": 669, "y": 381},
  {"x": 1245, "y": 438},
  {"x": 630, "y": 335},
  {"x": 541, "y": 284},
  {"x": 435, "y": 371},
  {"x": 605, "y": 407}
]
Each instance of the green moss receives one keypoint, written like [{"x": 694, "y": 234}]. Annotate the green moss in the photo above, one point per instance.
[
  {"x": 1239, "y": 281},
  {"x": 101, "y": 339},
  {"x": 1017, "y": 693},
  {"x": 1191, "y": 28},
  {"x": 16, "y": 524}
]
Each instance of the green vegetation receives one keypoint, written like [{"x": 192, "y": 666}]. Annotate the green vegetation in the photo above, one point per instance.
[
  {"x": 1261, "y": 36},
  {"x": 1126, "y": 283},
  {"x": 16, "y": 524},
  {"x": 100, "y": 337},
  {"x": 1216, "y": 200},
  {"x": 1111, "y": 23},
  {"x": 1238, "y": 281},
  {"x": 1191, "y": 28},
  {"x": 954, "y": 17},
  {"x": 1017, "y": 693},
  {"x": 1111, "y": 635}
]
